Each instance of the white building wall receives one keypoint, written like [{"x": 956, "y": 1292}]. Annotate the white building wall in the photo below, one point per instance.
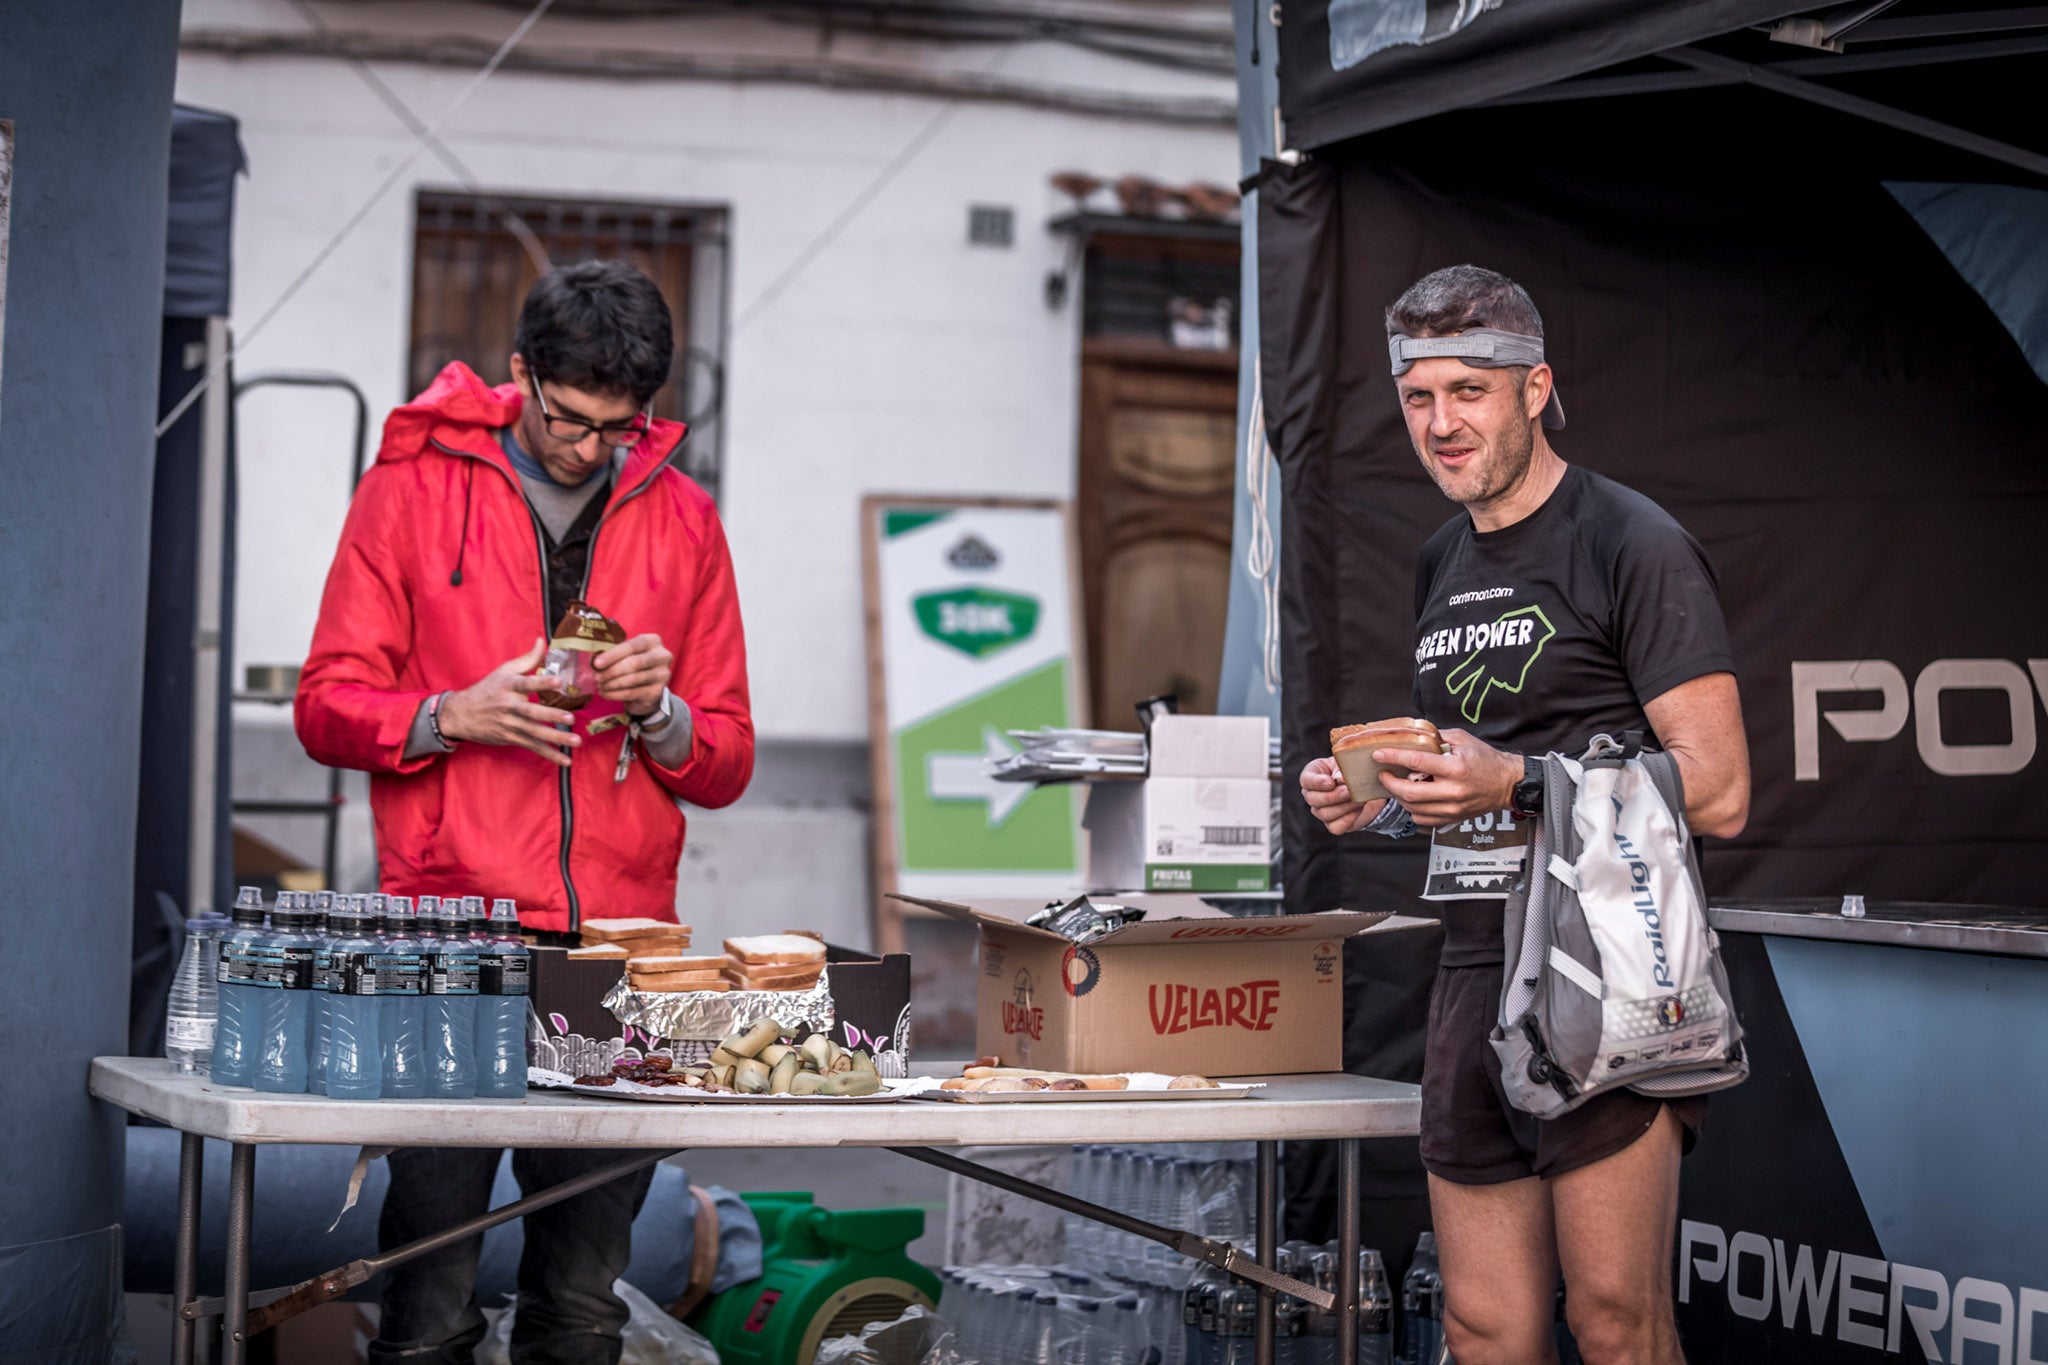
[{"x": 901, "y": 359}]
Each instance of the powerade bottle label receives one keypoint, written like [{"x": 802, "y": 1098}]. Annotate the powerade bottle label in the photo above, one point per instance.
[
  {"x": 327, "y": 972},
  {"x": 237, "y": 964},
  {"x": 504, "y": 974},
  {"x": 266, "y": 967},
  {"x": 356, "y": 973},
  {"x": 401, "y": 973},
  {"x": 454, "y": 974},
  {"x": 288, "y": 967}
]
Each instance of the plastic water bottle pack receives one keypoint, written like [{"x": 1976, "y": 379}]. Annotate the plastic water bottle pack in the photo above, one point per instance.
[
  {"x": 1034, "y": 1315},
  {"x": 355, "y": 998}
]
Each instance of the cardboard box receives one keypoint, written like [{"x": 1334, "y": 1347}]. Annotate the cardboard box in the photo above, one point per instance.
[
  {"x": 1200, "y": 821},
  {"x": 1187, "y": 989},
  {"x": 870, "y": 997}
]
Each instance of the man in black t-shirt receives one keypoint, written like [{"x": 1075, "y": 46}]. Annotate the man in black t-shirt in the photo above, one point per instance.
[{"x": 1558, "y": 605}]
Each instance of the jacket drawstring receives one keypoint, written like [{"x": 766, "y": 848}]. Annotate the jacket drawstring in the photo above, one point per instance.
[{"x": 462, "y": 546}]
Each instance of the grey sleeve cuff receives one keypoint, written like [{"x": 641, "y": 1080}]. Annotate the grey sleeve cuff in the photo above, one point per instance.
[
  {"x": 420, "y": 741},
  {"x": 670, "y": 745},
  {"x": 1393, "y": 821}
]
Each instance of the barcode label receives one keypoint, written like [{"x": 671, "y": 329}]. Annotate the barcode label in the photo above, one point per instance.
[
  {"x": 189, "y": 1032},
  {"x": 1233, "y": 835}
]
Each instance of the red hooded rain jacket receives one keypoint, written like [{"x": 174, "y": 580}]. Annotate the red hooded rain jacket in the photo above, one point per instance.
[{"x": 568, "y": 844}]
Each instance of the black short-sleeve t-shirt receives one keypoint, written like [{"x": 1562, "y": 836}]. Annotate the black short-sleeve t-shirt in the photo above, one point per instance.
[{"x": 1543, "y": 634}]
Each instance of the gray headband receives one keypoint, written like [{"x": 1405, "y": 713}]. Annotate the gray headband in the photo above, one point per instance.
[{"x": 1484, "y": 348}]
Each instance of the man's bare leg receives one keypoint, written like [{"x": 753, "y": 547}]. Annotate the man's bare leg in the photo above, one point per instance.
[
  {"x": 1615, "y": 1222},
  {"x": 1499, "y": 1260}
]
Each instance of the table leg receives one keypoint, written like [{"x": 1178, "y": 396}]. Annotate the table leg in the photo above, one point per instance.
[
  {"x": 241, "y": 1207},
  {"x": 1268, "y": 1230},
  {"x": 185, "y": 1263},
  {"x": 1348, "y": 1155}
]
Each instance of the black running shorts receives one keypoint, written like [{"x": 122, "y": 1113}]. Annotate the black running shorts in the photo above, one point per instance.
[{"x": 1471, "y": 1135}]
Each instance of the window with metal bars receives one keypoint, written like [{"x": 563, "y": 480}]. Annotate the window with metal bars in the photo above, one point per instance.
[{"x": 475, "y": 256}]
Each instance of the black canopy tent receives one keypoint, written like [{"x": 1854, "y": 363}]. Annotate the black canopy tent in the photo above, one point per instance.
[
  {"x": 1751, "y": 326},
  {"x": 1800, "y": 318}
]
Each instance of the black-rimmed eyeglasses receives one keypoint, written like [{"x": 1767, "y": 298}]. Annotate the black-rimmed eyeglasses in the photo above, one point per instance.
[{"x": 572, "y": 430}]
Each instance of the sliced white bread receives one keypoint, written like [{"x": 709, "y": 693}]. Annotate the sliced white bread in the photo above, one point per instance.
[
  {"x": 666, "y": 960},
  {"x": 636, "y": 971},
  {"x": 620, "y": 930},
  {"x": 790, "y": 950},
  {"x": 800, "y": 978},
  {"x": 599, "y": 950},
  {"x": 680, "y": 981}
]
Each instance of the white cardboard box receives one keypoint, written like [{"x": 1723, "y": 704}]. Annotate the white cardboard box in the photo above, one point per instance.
[{"x": 1202, "y": 821}]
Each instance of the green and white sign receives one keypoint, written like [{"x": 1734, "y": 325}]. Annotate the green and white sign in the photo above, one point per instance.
[{"x": 976, "y": 638}]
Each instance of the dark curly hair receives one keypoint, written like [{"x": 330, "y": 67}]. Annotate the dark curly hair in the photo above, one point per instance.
[
  {"x": 600, "y": 326},
  {"x": 1459, "y": 298}
]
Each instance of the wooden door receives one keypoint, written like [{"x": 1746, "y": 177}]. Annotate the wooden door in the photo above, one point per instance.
[{"x": 1157, "y": 456}]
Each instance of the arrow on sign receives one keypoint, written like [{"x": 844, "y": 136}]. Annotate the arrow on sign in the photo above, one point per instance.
[{"x": 965, "y": 777}]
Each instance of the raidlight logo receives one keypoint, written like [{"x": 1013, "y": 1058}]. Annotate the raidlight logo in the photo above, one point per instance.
[
  {"x": 1888, "y": 718},
  {"x": 1021, "y": 1018},
  {"x": 1645, "y": 905},
  {"x": 1860, "y": 1300},
  {"x": 977, "y": 621},
  {"x": 1181, "y": 1009}
]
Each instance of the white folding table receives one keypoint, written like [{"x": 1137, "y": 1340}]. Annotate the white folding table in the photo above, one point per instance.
[{"x": 1339, "y": 1107}]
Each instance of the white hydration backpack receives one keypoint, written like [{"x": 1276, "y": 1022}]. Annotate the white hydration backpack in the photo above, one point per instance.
[{"x": 1613, "y": 977}]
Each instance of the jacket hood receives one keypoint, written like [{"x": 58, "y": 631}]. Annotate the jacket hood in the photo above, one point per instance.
[{"x": 459, "y": 409}]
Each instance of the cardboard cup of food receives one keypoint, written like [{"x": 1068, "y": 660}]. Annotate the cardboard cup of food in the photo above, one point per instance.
[{"x": 1353, "y": 748}]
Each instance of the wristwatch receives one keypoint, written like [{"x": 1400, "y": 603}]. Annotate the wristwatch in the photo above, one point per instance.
[
  {"x": 1525, "y": 801},
  {"x": 659, "y": 717}
]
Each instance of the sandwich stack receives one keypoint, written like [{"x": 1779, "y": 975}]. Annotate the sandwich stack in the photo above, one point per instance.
[
  {"x": 790, "y": 961},
  {"x": 654, "y": 953},
  {"x": 655, "y": 956}
]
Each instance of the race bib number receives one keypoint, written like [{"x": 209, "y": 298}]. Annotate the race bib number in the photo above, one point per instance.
[{"x": 1481, "y": 857}]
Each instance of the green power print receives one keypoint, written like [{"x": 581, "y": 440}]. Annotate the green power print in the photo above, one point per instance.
[{"x": 1501, "y": 655}]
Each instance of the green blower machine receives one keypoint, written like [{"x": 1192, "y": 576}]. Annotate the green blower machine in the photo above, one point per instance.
[{"x": 826, "y": 1274}]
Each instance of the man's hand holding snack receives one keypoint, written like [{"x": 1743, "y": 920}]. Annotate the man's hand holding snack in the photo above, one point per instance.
[
  {"x": 1470, "y": 777},
  {"x": 1330, "y": 801},
  {"x": 635, "y": 674},
  {"x": 496, "y": 710}
]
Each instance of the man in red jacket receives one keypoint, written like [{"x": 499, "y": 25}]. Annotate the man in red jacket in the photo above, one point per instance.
[{"x": 488, "y": 511}]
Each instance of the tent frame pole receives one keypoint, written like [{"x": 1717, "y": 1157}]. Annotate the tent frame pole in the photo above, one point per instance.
[{"x": 1858, "y": 107}]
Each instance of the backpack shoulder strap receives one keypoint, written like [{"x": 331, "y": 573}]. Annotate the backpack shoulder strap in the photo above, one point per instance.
[{"x": 1663, "y": 771}]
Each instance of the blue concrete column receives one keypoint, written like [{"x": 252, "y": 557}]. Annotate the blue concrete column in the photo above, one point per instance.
[{"x": 88, "y": 91}]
